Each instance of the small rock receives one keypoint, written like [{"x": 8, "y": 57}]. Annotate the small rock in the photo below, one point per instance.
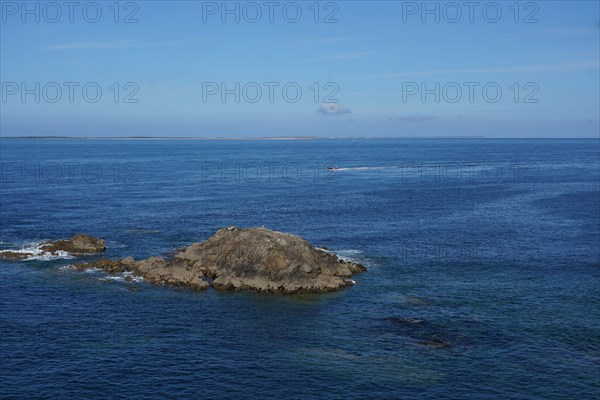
[
  {"x": 13, "y": 255},
  {"x": 79, "y": 244}
]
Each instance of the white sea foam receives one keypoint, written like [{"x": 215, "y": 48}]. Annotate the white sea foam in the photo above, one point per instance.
[
  {"x": 112, "y": 278},
  {"x": 349, "y": 251},
  {"x": 355, "y": 256},
  {"x": 30, "y": 247},
  {"x": 104, "y": 277},
  {"x": 348, "y": 254},
  {"x": 49, "y": 256},
  {"x": 364, "y": 168},
  {"x": 122, "y": 277},
  {"x": 34, "y": 248}
]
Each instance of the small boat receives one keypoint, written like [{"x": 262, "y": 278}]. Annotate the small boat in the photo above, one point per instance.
[{"x": 333, "y": 168}]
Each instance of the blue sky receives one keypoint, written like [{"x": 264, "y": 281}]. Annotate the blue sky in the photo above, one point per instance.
[{"x": 372, "y": 62}]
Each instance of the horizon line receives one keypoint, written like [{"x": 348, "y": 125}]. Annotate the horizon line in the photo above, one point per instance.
[{"x": 53, "y": 137}]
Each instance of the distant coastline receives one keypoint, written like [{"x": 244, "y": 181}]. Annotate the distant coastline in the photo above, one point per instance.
[
  {"x": 266, "y": 138},
  {"x": 288, "y": 138},
  {"x": 154, "y": 138}
]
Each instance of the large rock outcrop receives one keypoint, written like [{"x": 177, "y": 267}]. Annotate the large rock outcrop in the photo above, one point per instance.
[
  {"x": 77, "y": 245},
  {"x": 256, "y": 259}
]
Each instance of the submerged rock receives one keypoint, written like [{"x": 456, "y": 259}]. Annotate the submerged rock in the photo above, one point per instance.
[
  {"x": 428, "y": 334},
  {"x": 406, "y": 321},
  {"x": 435, "y": 343},
  {"x": 77, "y": 245},
  {"x": 256, "y": 259}
]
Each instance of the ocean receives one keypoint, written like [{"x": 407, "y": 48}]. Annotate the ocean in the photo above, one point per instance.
[{"x": 491, "y": 247}]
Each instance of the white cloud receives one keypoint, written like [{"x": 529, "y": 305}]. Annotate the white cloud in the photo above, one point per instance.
[{"x": 333, "y": 109}]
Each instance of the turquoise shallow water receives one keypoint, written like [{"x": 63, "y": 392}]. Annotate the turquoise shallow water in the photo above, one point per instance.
[{"x": 489, "y": 245}]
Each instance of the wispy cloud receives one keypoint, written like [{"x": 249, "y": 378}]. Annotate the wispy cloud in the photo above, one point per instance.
[
  {"x": 333, "y": 109},
  {"x": 321, "y": 41},
  {"x": 117, "y": 44},
  {"x": 573, "y": 31},
  {"x": 492, "y": 70},
  {"x": 416, "y": 118},
  {"x": 120, "y": 44},
  {"x": 348, "y": 56}
]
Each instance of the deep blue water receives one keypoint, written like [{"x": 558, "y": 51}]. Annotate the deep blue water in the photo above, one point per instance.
[{"x": 490, "y": 245}]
